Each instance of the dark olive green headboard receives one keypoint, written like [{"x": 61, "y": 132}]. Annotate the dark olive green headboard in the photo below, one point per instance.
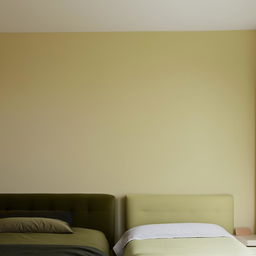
[{"x": 95, "y": 211}]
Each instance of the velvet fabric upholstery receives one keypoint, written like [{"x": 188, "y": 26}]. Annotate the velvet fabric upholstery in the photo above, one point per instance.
[
  {"x": 34, "y": 225},
  {"x": 59, "y": 215},
  {"x": 93, "y": 211},
  {"x": 142, "y": 209}
]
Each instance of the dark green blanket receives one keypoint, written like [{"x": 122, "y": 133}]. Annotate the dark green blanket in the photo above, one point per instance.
[{"x": 48, "y": 250}]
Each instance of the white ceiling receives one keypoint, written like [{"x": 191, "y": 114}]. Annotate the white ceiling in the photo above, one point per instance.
[{"x": 125, "y": 15}]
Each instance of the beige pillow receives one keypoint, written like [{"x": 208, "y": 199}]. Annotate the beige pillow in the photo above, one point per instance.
[{"x": 33, "y": 225}]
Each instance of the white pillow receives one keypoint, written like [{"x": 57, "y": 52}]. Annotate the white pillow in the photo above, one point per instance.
[{"x": 172, "y": 230}]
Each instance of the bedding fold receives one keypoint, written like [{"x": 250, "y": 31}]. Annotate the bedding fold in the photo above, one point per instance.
[
  {"x": 49, "y": 250},
  {"x": 170, "y": 230},
  {"x": 81, "y": 237}
]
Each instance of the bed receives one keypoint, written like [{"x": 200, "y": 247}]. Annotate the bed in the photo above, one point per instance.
[
  {"x": 90, "y": 217},
  {"x": 179, "y": 225}
]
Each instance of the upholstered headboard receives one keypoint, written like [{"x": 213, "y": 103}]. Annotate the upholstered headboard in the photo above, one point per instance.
[
  {"x": 142, "y": 209},
  {"x": 95, "y": 211}
]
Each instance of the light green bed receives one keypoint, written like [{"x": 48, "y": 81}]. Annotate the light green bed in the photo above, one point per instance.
[
  {"x": 144, "y": 209},
  {"x": 221, "y": 246}
]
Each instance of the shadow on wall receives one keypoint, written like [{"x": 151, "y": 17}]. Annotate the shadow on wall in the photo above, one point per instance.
[
  {"x": 254, "y": 231},
  {"x": 120, "y": 217}
]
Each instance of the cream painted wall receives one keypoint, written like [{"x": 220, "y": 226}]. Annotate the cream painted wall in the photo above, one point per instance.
[{"x": 160, "y": 112}]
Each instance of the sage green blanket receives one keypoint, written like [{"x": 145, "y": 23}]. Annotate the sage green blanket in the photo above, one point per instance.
[
  {"x": 81, "y": 237},
  {"x": 48, "y": 250},
  {"x": 220, "y": 246}
]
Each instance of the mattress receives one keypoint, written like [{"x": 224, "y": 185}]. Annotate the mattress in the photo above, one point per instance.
[
  {"x": 219, "y": 246},
  {"x": 92, "y": 241}
]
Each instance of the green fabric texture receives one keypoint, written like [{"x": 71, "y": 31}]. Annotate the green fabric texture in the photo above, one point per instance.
[
  {"x": 49, "y": 250},
  {"x": 142, "y": 209},
  {"x": 94, "y": 211},
  {"x": 80, "y": 237},
  {"x": 221, "y": 246},
  {"x": 33, "y": 225},
  {"x": 59, "y": 215}
]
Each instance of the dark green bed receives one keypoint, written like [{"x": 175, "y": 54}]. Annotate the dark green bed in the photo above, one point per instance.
[{"x": 92, "y": 222}]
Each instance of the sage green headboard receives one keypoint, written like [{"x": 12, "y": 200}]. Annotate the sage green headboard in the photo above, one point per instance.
[
  {"x": 95, "y": 211},
  {"x": 142, "y": 209}
]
